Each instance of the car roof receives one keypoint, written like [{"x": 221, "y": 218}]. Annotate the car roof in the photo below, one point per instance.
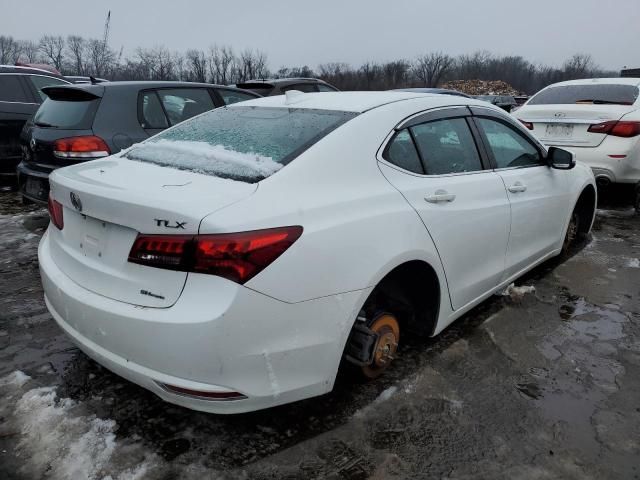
[
  {"x": 98, "y": 88},
  {"x": 28, "y": 70},
  {"x": 352, "y": 101},
  {"x": 442, "y": 91},
  {"x": 600, "y": 81},
  {"x": 278, "y": 81}
]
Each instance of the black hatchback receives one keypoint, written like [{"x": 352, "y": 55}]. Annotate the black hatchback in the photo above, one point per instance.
[{"x": 77, "y": 123}]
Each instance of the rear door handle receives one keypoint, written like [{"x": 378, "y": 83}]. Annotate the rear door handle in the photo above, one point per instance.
[
  {"x": 517, "y": 187},
  {"x": 440, "y": 196}
]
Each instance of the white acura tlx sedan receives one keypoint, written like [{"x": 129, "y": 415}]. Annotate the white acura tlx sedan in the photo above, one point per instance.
[
  {"x": 232, "y": 262},
  {"x": 598, "y": 119}
]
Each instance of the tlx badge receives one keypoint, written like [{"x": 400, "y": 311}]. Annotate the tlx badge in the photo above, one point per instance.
[{"x": 167, "y": 224}]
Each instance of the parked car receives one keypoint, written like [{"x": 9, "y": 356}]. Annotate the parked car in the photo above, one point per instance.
[
  {"x": 82, "y": 122},
  {"x": 442, "y": 91},
  {"x": 20, "y": 96},
  {"x": 598, "y": 119},
  {"x": 505, "y": 102},
  {"x": 230, "y": 271},
  {"x": 84, "y": 79},
  {"x": 278, "y": 86}
]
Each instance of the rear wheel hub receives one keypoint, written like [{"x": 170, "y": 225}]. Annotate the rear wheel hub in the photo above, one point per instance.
[{"x": 388, "y": 330}]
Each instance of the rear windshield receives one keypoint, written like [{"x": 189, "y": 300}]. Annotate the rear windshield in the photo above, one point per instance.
[
  {"x": 241, "y": 143},
  {"x": 68, "y": 114},
  {"x": 590, "y": 94}
]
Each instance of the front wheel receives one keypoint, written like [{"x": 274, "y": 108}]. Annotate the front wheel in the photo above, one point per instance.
[{"x": 572, "y": 232}]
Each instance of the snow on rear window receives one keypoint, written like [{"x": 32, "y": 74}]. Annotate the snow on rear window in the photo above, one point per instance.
[
  {"x": 202, "y": 157},
  {"x": 238, "y": 142}
]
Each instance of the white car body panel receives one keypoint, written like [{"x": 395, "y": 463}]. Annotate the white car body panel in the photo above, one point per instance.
[
  {"x": 600, "y": 151},
  {"x": 280, "y": 337}
]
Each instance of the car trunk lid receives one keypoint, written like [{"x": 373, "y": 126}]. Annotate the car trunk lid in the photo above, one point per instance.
[{"x": 106, "y": 203}]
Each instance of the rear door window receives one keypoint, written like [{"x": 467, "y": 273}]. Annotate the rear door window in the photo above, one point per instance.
[
  {"x": 447, "y": 147},
  {"x": 588, "y": 94},
  {"x": 301, "y": 87},
  {"x": 152, "y": 114},
  {"x": 402, "y": 152},
  {"x": 325, "y": 88},
  {"x": 240, "y": 142},
  {"x": 181, "y": 104},
  {"x": 11, "y": 90},
  {"x": 233, "y": 96},
  {"x": 41, "y": 81}
]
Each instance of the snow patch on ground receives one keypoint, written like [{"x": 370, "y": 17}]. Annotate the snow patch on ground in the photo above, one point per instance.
[
  {"x": 202, "y": 157},
  {"x": 386, "y": 394},
  {"x": 517, "y": 292},
  {"x": 633, "y": 263},
  {"x": 57, "y": 440},
  {"x": 16, "y": 378}
]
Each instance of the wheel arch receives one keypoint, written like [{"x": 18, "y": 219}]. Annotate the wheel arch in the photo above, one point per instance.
[{"x": 412, "y": 289}]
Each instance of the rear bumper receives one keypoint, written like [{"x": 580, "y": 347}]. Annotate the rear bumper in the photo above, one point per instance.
[
  {"x": 219, "y": 336},
  {"x": 37, "y": 177}
]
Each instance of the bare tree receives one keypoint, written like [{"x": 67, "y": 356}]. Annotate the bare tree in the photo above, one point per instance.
[
  {"x": 580, "y": 65},
  {"x": 100, "y": 57},
  {"x": 52, "y": 48},
  {"x": 197, "y": 64},
  {"x": 29, "y": 51},
  {"x": 430, "y": 68},
  {"x": 77, "y": 48},
  {"x": 222, "y": 62},
  {"x": 10, "y": 50}
]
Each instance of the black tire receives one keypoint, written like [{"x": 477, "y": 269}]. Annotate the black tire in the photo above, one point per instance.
[{"x": 573, "y": 233}]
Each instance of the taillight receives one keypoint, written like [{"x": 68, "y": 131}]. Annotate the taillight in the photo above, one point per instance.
[
  {"x": 625, "y": 129},
  {"x": 529, "y": 125},
  {"x": 56, "y": 213},
  {"x": 235, "y": 256},
  {"x": 87, "y": 146}
]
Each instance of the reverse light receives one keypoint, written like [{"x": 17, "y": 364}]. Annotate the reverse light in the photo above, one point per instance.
[
  {"x": 235, "y": 256},
  {"x": 529, "y": 125},
  {"x": 624, "y": 129},
  {"x": 87, "y": 146},
  {"x": 56, "y": 212}
]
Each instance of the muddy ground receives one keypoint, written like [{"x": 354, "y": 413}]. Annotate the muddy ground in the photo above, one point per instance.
[{"x": 537, "y": 385}]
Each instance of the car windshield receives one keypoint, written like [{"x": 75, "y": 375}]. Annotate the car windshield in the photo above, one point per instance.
[
  {"x": 591, "y": 94},
  {"x": 240, "y": 143}
]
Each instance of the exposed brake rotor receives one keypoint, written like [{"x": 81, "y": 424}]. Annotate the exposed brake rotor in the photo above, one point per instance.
[{"x": 387, "y": 328}]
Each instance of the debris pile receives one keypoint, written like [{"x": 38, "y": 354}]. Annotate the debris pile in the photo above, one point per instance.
[{"x": 481, "y": 87}]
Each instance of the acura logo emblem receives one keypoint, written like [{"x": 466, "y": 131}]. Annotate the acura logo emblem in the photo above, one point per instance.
[
  {"x": 32, "y": 144},
  {"x": 75, "y": 201},
  {"x": 560, "y": 115}
]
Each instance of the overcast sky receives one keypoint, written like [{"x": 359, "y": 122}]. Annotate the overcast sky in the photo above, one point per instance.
[{"x": 295, "y": 33}]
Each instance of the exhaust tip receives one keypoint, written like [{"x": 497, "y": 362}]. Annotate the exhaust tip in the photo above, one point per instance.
[{"x": 603, "y": 181}]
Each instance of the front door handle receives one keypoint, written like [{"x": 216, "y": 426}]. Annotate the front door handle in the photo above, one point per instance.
[
  {"x": 517, "y": 187},
  {"x": 440, "y": 196}
]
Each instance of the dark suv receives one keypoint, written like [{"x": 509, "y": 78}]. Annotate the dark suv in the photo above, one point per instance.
[
  {"x": 278, "y": 86},
  {"x": 20, "y": 96},
  {"x": 81, "y": 122}
]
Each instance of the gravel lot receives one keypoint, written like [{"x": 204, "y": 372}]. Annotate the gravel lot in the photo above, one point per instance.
[{"x": 540, "y": 383}]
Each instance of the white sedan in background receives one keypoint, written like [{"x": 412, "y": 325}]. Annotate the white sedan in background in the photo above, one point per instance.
[
  {"x": 598, "y": 119},
  {"x": 233, "y": 261}
]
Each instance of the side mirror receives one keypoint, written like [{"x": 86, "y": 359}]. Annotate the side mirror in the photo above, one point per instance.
[{"x": 561, "y": 159}]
